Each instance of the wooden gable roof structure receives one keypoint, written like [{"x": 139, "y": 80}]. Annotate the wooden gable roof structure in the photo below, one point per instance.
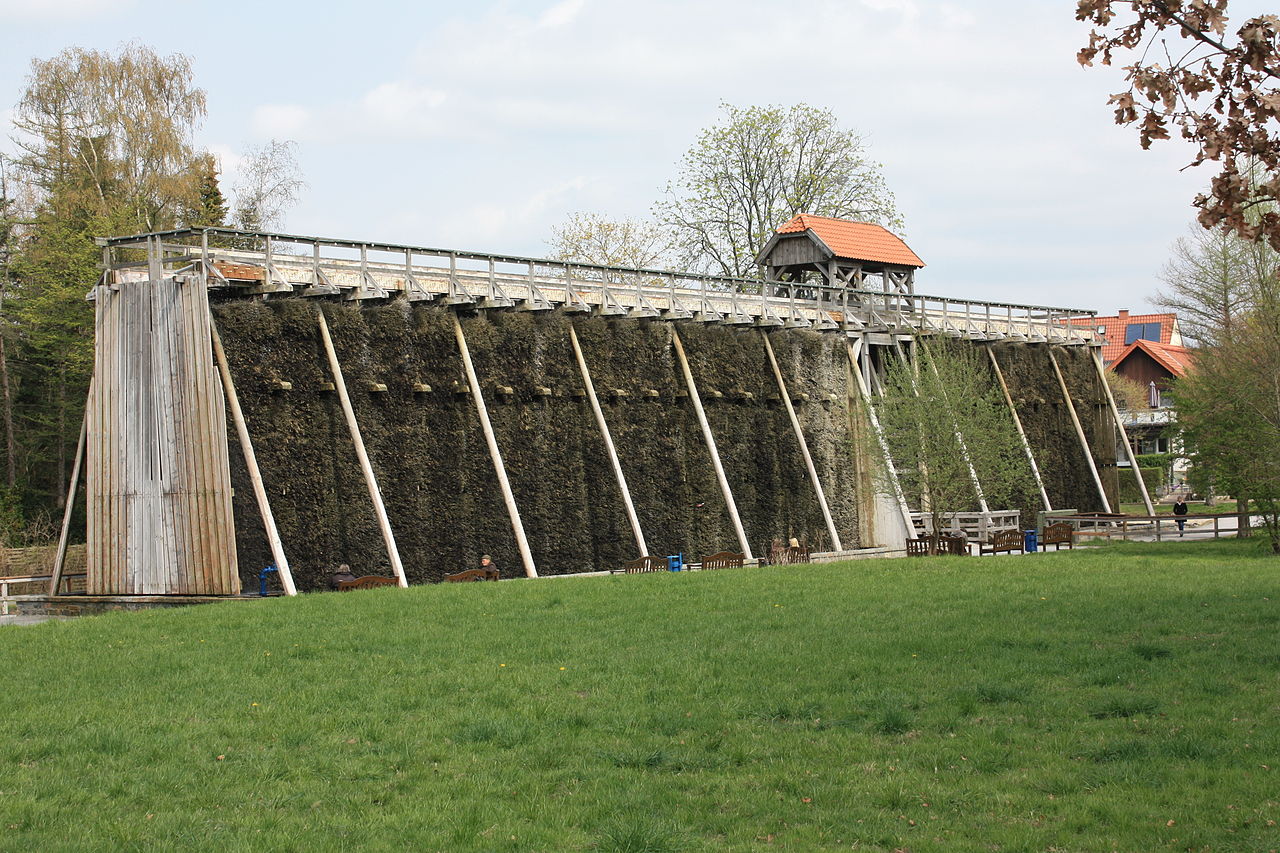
[{"x": 841, "y": 251}]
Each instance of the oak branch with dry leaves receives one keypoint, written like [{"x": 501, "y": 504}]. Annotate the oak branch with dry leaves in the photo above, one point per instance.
[{"x": 1215, "y": 84}]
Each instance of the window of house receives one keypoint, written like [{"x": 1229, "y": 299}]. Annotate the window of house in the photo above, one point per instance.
[{"x": 1141, "y": 332}]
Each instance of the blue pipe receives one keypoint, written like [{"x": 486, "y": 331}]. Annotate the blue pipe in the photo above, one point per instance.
[{"x": 262, "y": 579}]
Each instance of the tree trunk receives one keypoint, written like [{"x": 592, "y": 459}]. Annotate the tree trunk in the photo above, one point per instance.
[
  {"x": 60, "y": 497},
  {"x": 6, "y": 407},
  {"x": 1243, "y": 530}
]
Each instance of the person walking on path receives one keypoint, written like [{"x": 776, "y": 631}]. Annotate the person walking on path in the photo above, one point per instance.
[{"x": 1180, "y": 512}]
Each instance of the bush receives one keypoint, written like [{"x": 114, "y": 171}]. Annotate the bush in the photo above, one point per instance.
[{"x": 1153, "y": 477}]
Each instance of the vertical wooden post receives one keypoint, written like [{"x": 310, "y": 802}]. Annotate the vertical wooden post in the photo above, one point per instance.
[
  {"x": 375, "y": 494},
  {"x": 251, "y": 463},
  {"x": 60, "y": 556},
  {"x": 608, "y": 443},
  {"x": 1084, "y": 442},
  {"x": 522, "y": 543},
  {"x": 1124, "y": 436},
  {"x": 1017, "y": 422},
  {"x": 880, "y": 439},
  {"x": 804, "y": 446},
  {"x": 711, "y": 444}
]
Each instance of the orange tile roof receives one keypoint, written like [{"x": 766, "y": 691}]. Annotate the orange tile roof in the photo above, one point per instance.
[
  {"x": 1113, "y": 335},
  {"x": 1175, "y": 359},
  {"x": 859, "y": 241}
]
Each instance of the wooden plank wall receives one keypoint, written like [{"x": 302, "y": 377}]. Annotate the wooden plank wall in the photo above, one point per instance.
[{"x": 159, "y": 485}]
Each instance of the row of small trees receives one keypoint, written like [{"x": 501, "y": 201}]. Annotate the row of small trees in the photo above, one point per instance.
[{"x": 105, "y": 145}]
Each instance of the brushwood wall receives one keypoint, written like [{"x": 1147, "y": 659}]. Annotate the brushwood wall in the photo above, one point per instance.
[{"x": 436, "y": 476}]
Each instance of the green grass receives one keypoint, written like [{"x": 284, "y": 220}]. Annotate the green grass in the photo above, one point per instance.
[
  {"x": 1123, "y": 698},
  {"x": 1193, "y": 508}
]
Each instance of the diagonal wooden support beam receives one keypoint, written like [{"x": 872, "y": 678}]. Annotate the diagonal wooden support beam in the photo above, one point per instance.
[
  {"x": 1084, "y": 442},
  {"x": 608, "y": 443},
  {"x": 375, "y": 494},
  {"x": 60, "y": 555},
  {"x": 1017, "y": 422},
  {"x": 251, "y": 463},
  {"x": 804, "y": 445},
  {"x": 853, "y": 350},
  {"x": 513, "y": 511},
  {"x": 711, "y": 444},
  {"x": 1124, "y": 436},
  {"x": 955, "y": 425}
]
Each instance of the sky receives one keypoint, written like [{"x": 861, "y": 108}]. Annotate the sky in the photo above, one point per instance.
[{"x": 482, "y": 125}]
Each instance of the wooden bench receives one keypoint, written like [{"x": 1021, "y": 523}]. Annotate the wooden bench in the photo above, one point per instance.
[
  {"x": 723, "y": 560},
  {"x": 643, "y": 564},
  {"x": 367, "y": 582},
  {"x": 1057, "y": 535},
  {"x": 1004, "y": 541},
  {"x": 474, "y": 575},
  {"x": 953, "y": 546}
]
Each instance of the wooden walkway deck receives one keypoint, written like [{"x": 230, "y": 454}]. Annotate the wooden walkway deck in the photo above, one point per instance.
[{"x": 319, "y": 267}]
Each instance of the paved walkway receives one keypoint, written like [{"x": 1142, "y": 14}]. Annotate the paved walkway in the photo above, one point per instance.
[{"x": 26, "y": 620}]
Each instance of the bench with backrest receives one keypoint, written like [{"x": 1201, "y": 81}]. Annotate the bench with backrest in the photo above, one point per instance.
[
  {"x": 643, "y": 564},
  {"x": 724, "y": 560},
  {"x": 954, "y": 546},
  {"x": 1003, "y": 541},
  {"x": 474, "y": 575},
  {"x": 366, "y": 582},
  {"x": 1058, "y": 534}
]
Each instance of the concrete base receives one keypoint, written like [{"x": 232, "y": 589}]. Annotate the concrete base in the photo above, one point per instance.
[{"x": 90, "y": 605}]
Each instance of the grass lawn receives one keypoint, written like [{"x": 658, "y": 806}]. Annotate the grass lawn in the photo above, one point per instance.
[
  {"x": 1193, "y": 508},
  {"x": 1122, "y": 698}
]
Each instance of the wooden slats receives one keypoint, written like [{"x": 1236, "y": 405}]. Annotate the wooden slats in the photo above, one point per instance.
[{"x": 159, "y": 490}]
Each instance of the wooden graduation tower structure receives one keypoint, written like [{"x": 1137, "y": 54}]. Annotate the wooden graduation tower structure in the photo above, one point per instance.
[{"x": 158, "y": 482}]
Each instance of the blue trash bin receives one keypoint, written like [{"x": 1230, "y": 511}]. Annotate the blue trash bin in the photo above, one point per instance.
[
  {"x": 1029, "y": 541},
  {"x": 675, "y": 562}
]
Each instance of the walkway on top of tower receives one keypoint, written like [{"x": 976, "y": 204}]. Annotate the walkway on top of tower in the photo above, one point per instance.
[{"x": 832, "y": 293}]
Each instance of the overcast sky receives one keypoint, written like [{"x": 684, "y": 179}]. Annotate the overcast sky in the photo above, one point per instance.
[{"x": 481, "y": 125}]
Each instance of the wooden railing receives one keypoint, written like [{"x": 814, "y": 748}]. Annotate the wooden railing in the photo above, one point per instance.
[
  {"x": 262, "y": 262},
  {"x": 1110, "y": 526}
]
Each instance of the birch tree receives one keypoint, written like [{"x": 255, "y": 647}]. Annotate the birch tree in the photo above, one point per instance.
[{"x": 759, "y": 167}]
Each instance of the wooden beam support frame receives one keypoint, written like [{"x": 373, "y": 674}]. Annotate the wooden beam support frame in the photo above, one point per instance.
[
  {"x": 1124, "y": 436},
  {"x": 852, "y": 349},
  {"x": 711, "y": 444},
  {"x": 375, "y": 494},
  {"x": 517, "y": 526},
  {"x": 608, "y": 442},
  {"x": 1017, "y": 422},
  {"x": 251, "y": 463},
  {"x": 1084, "y": 442},
  {"x": 804, "y": 445},
  {"x": 60, "y": 556}
]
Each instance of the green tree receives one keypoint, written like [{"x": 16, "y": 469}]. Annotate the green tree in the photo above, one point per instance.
[
  {"x": 105, "y": 148},
  {"x": 1229, "y": 414},
  {"x": 117, "y": 129},
  {"x": 1212, "y": 278},
  {"x": 940, "y": 413},
  {"x": 210, "y": 205},
  {"x": 761, "y": 166}
]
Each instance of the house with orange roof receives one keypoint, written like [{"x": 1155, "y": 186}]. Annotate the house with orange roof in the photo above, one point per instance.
[{"x": 1121, "y": 331}]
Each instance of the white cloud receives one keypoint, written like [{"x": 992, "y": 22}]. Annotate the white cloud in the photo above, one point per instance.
[
  {"x": 60, "y": 10},
  {"x": 280, "y": 121},
  {"x": 561, "y": 14}
]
